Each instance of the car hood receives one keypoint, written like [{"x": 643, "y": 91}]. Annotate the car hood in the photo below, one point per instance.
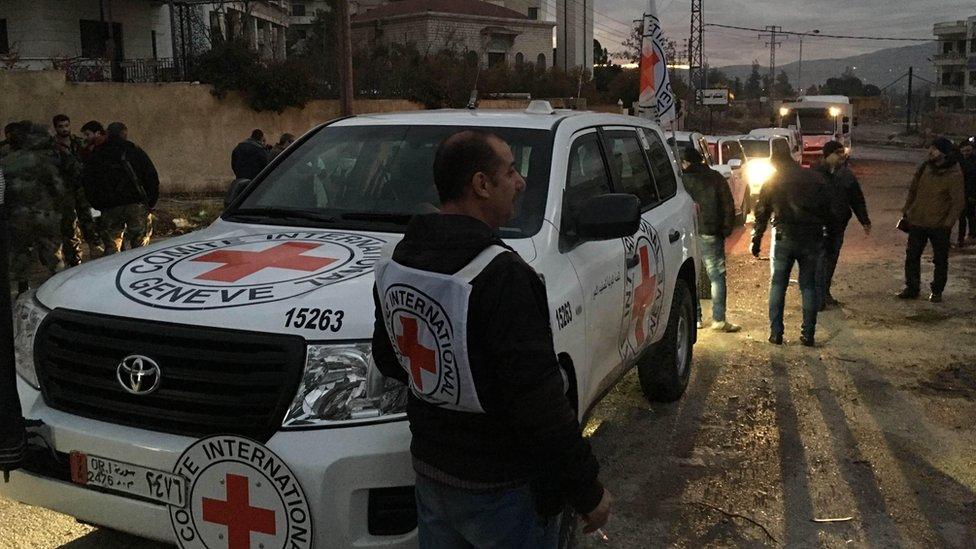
[{"x": 239, "y": 276}]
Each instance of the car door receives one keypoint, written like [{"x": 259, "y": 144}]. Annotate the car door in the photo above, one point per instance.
[
  {"x": 599, "y": 265},
  {"x": 645, "y": 283}
]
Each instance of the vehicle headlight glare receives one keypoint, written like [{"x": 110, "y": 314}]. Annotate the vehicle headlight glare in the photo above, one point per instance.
[
  {"x": 28, "y": 315},
  {"x": 341, "y": 385},
  {"x": 758, "y": 172}
]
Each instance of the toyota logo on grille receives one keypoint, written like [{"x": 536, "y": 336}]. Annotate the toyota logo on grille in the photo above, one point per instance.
[{"x": 138, "y": 374}]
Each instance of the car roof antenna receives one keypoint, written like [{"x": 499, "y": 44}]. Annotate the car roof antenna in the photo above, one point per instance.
[{"x": 473, "y": 99}]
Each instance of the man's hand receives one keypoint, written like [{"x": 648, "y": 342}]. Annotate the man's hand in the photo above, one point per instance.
[
  {"x": 756, "y": 247},
  {"x": 597, "y": 518},
  {"x": 867, "y": 229}
]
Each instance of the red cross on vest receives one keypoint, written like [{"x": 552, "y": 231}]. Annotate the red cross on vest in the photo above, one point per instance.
[
  {"x": 237, "y": 514},
  {"x": 420, "y": 357},
  {"x": 239, "y": 264},
  {"x": 643, "y": 293}
]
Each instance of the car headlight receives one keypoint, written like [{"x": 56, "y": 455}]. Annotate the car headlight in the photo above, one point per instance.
[
  {"x": 758, "y": 173},
  {"x": 28, "y": 315},
  {"x": 341, "y": 386}
]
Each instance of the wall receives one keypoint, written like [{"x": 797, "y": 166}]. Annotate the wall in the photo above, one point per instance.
[
  {"x": 187, "y": 131},
  {"x": 41, "y": 29}
]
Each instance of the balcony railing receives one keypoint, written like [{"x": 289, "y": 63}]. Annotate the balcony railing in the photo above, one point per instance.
[
  {"x": 150, "y": 70},
  {"x": 950, "y": 56}
]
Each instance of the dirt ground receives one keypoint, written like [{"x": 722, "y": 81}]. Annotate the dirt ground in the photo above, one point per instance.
[{"x": 873, "y": 428}]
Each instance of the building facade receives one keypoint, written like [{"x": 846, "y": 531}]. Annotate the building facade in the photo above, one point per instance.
[
  {"x": 262, "y": 24},
  {"x": 574, "y": 34},
  {"x": 488, "y": 32},
  {"x": 955, "y": 64},
  {"x": 89, "y": 39}
]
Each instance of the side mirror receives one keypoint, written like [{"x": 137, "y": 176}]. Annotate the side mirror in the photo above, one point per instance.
[
  {"x": 735, "y": 163},
  {"x": 235, "y": 189},
  {"x": 608, "y": 216}
]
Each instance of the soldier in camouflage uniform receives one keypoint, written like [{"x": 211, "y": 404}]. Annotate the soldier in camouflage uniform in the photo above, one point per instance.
[
  {"x": 121, "y": 181},
  {"x": 77, "y": 222},
  {"x": 35, "y": 192}
]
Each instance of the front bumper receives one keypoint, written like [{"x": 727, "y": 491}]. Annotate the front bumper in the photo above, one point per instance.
[{"x": 337, "y": 469}]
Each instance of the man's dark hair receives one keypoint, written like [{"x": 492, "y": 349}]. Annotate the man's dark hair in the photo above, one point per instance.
[
  {"x": 59, "y": 118},
  {"x": 692, "y": 156},
  {"x": 257, "y": 135},
  {"x": 459, "y": 157},
  {"x": 286, "y": 138},
  {"x": 93, "y": 126},
  {"x": 115, "y": 129}
]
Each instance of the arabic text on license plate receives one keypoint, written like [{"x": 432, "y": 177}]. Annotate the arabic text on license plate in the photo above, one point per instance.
[{"x": 126, "y": 478}]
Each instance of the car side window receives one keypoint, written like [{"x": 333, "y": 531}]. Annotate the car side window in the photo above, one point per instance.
[
  {"x": 661, "y": 169},
  {"x": 587, "y": 178},
  {"x": 781, "y": 147},
  {"x": 730, "y": 151},
  {"x": 630, "y": 173}
]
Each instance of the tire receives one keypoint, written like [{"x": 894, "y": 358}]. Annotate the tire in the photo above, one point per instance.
[
  {"x": 664, "y": 372},
  {"x": 704, "y": 284}
]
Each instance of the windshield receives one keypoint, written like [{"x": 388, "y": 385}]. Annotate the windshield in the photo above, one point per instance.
[
  {"x": 378, "y": 177},
  {"x": 816, "y": 121},
  {"x": 755, "y": 148}
]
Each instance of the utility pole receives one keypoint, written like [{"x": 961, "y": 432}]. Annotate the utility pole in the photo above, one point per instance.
[
  {"x": 773, "y": 37},
  {"x": 696, "y": 48},
  {"x": 908, "y": 115},
  {"x": 346, "y": 92}
]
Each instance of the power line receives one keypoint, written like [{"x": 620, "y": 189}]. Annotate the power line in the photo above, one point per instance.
[
  {"x": 770, "y": 36},
  {"x": 794, "y": 33}
]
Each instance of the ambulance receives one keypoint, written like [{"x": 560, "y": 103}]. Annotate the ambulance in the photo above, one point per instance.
[
  {"x": 819, "y": 118},
  {"x": 216, "y": 390}
]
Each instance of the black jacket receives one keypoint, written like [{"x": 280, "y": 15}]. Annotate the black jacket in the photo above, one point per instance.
[
  {"x": 797, "y": 202},
  {"x": 119, "y": 173},
  {"x": 845, "y": 195},
  {"x": 248, "y": 159},
  {"x": 529, "y": 431},
  {"x": 716, "y": 207}
]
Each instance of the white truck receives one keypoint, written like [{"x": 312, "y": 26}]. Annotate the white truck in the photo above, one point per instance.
[
  {"x": 820, "y": 118},
  {"x": 216, "y": 389}
]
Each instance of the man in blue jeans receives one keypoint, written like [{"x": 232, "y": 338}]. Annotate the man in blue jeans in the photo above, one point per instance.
[
  {"x": 716, "y": 219},
  {"x": 797, "y": 203},
  {"x": 464, "y": 322}
]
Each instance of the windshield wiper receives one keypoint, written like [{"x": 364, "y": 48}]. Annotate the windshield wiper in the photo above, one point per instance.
[
  {"x": 282, "y": 213},
  {"x": 396, "y": 218}
]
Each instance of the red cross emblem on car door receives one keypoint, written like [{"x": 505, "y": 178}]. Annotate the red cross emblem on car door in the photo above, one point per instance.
[{"x": 643, "y": 294}]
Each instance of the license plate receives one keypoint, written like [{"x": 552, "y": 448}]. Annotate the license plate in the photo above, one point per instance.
[{"x": 128, "y": 479}]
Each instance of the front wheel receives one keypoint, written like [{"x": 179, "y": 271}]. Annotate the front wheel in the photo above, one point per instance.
[{"x": 664, "y": 372}]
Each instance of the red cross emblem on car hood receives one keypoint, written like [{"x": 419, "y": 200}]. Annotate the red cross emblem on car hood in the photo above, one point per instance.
[{"x": 239, "y": 264}]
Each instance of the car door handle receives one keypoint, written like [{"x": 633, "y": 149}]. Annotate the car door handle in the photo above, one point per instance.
[
  {"x": 633, "y": 261},
  {"x": 673, "y": 236}
]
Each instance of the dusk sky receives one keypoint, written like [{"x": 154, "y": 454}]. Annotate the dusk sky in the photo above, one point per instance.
[{"x": 893, "y": 18}]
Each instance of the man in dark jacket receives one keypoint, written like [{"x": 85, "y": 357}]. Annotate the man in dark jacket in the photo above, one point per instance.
[
  {"x": 250, "y": 156},
  {"x": 936, "y": 197},
  {"x": 797, "y": 201},
  {"x": 121, "y": 181},
  {"x": 716, "y": 219},
  {"x": 967, "y": 153},
  {"x": 464, "y": 321},
  {"x": 845, "y": 197}
]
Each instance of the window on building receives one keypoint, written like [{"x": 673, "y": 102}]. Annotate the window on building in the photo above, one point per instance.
[
  {"x": 519, "y": 59},
  {"x": 540, "y": 62},
  {"x": 972, "y": 78},
  {"x": 4, "y": 44},
  {"x": 471, "y": 58},
  {"x": 534, "y": 13},
  {"x": 298, "y": 10},
  {"x": 495, "y": 58},
  {"x": 972, "y": 46},
  {"x": 155, "y": 49},
  {"x": 96, "y": 38}
]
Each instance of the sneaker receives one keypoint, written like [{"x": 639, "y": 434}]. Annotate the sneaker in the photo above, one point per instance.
[
  {"x": 776, "y": 339},
  {"x": 807, "y": 341},
  {"x": 935, "y": 298},
  {"x": 726, "y": 327},
  {"x": 907, "y": 294}
]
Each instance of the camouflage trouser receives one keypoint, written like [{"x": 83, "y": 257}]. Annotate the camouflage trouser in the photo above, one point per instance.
[
  {"x": 34, "y": 234},
  {"x": 75, "y": 226},
  {"x": 130, "y": 225}
]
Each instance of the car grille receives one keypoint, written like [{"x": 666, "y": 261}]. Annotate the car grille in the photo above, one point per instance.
[{"x": 212, "y": 381}]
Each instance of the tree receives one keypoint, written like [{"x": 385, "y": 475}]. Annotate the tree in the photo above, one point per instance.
[
  {"x": 717, "y": 79},
  {"x": 846, "y": 84},
  {"x": 600, "y": 54},
  {"x": 737, "y": 87},
  {"x": 754, "y": 85},
  {"x": 632, "y": 45},
  {"x": 783, "y": 87},
  {"x": 870, "y": 90}
]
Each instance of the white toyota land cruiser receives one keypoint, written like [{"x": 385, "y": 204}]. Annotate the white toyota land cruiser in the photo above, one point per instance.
[{"x": 216, "y": 389}]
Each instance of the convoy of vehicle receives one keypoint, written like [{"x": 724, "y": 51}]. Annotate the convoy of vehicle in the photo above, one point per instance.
[
  {"x": 220, "y": 383},
  {"x": 820, "y": 118}
]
